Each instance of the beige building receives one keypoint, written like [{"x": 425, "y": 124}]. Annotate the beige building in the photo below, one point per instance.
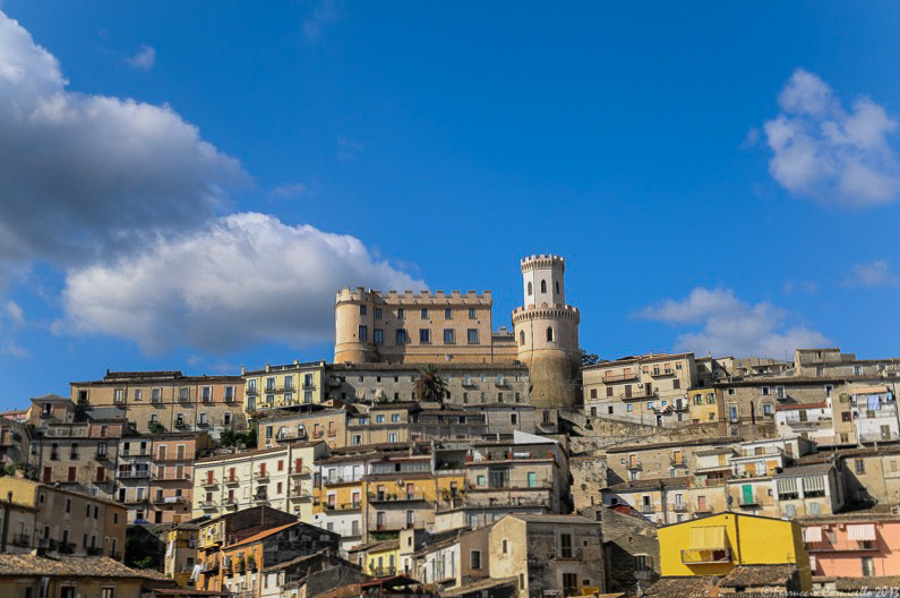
[
  {"x": 279, "y": 477},
  {"x": 831, "y": 363},
  {"x": 629, "y": 462},
  {"x": 171, "y": 400},
  {"x": 568, "y": 548},
  {"x": 648, "y": 389},
  {"x": 59, "y": 521},
  {"x": 70, "y": 577}
]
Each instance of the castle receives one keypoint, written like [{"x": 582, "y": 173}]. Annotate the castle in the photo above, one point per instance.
[{"x": 434, "y": 327}]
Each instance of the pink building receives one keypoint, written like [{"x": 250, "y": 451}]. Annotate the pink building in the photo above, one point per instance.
[{"x": 859, "y": 544}]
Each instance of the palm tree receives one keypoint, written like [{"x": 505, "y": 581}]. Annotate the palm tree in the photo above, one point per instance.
[{"x": 430, "y": 386}]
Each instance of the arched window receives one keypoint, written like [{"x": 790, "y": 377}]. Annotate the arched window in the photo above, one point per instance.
[
  {"x": 521, "y": 337},
  {"x": 529, "y": 288},
  {"x": 549, "y": 334},
  {"x": 557, "y": 287},
  {"x": 543, "y": 286}
]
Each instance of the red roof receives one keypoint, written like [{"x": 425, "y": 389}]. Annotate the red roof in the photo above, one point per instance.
[{"x": 262, "y": 535}]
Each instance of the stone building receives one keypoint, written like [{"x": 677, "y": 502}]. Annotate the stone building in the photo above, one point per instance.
[
  {"x": 659, "y": 459},
  {"x": 15, "y": 445},
  {"x": 647, "y": 389},
  {"x": 59, "y": 521},
  {"x": 170, "y": 399},
  {"x": 559, "y": 555},
  {"x": 589, "y": 477},
  {"x": 172, "y": 473},
  {"x": 631, "y": 549},
  {"x": 38, "y": 576},
  {"x": 831, "y": 362}
]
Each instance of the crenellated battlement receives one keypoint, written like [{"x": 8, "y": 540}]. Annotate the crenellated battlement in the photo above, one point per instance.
[
  {"x": 543, "y": 260},
  {"x": 413, "y": 298}
]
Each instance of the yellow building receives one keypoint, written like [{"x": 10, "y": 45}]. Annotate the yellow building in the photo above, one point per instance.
[
  {"x": 381, "y": 559},
  {"x": 181, "y": 553},
  {"x": 717, "y": 544},
  {"x": 704, "y": 406},
  {"x": 282, "y": 386}
]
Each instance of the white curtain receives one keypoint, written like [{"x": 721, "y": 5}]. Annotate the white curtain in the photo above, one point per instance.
[
  {"x": 812, "y": 534},
  {"x": 861, "y": 532}
]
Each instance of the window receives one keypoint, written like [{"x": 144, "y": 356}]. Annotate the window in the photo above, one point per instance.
[
  {"x": 138, "y": 394},
  {"x": 556, "y": 286},
  {"x": 530, "y": 288},
  {"x": 449, "y": 336},
  {"x": 676, "y": 384},
  {"x": 448, "y": 314},
  {"x": 392, "y": 437},
  {"x": 107, "y": 593},
  {"x": 472, "y": 315},
  {"x": 857, "y": 370},
  {"x": 570, "y": 584},
  {"x": 377, "y": 313},
  {"x": 549, "y": 334},
  {"x": 765, "y": 391},
  {"x": 401, "y": 313},
  {"x": 868, "y": 566},
  {"x": 424, "y": 313},
  {"x": 565, "y": 546},
  {"x": 505, "y": 546},
  {"x": 859, "y": 465},
  {"x": 119, "y": 395},
  {"x": 424, "y": 336},
  {"x": 229, "y": 393},
  {"x": 475, "y": 559},
  {"x": 184, "y": 394},
  {"x": 543, "y": 286},
  {"x": 472, "y": 336},
  {"x": 767, "y": 409},
  {"x": 362, "y": 309},
  {"x": 378, "y": 336},
  {"x": 643, "y": 562},
  {"x": 363, "y": 333},
  {"x": 402, "y": 339}
]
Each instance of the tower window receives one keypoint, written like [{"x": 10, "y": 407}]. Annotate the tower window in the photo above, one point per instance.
[
  {"x": 521, "y": 337},
  {"x": 543, "y": 286},
  {"x": 529, "y": 288},
  {"x": 556, "y": 284},
  {"x": 549, "y": 334}
]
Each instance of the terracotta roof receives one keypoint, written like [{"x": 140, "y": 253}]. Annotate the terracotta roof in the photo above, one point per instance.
[
  {"x": 262, "y": 535},
  {"x": 866, "y": 583},
  {"x": 811, "y": 469},
  {"x": 16, "y": 565},
  {"x": 653, "y": 484},
  {"x": 754, "y": 576},
  {"x": 801, "y": 406},
  {"x": 697, "y": 586},
  {"x": 481, "y": 584},
  {"x": 624, "y": 448}
]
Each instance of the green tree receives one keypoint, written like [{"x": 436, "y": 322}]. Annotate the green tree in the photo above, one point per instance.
[
  {"x": 588, "y": 358},
  {"x": 430, "y": 386},
  {"x": 155, "y": 427}
]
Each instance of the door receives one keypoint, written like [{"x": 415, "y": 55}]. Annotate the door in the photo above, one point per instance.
[{"x": 747, "y": 495}]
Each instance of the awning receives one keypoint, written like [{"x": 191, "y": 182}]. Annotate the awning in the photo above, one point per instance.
[
  {"x": 787, "y": 485},
  {"x": 814, "y": 484},
  {"x": 812, "y": 534},
  {"x": 861, "y": 532},
  {"x": 708, "y": 538}
]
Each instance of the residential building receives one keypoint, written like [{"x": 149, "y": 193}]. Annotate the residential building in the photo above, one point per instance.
[
  {"x": 310, "y": 575},
  {"x": 874, "y": 411},
  {"x": 15, "y": 445},
  {"x": 815, "y": 489},
  {"x": 280, "y": 477},
  {"x": 292, "y": 386},
  {"x": 328, "y": 424},
  {"x": 666, "y": 500},
  {"x": 719, "y": 544},
  {"x": 831, "y": 363},
  {"x": 133, "y": 476},
  {"x": 169, "y": 401},
  {"x": 69, "y": 576},
  {"x": 548, "y": 554},
  {"x": 858, "y": 544},
  {"x": 182, "y": 544},
  {"x": 59, "y": 521},
  {"x": 705, "y": 406},
  {"x": 630, "y": 547},
  {"x": 651, "y": 460},
  {"x": 647, "y": 389},
  {"x": 171, "y": 487}
]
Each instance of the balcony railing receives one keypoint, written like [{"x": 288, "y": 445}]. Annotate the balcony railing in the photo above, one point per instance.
[
  {"x": 303, "y": 471},
  {"x": 679, "y": 507},
  {"x": 619, "y": 377},
  {"x": 168, "y": 500},
  {"x": 232, "y": 481},
  {"x": 260, "y": 475},
  {"x": 660, "y": 373},
  {"x": 402, "y": 497},
  {"x": 336, "y": 479},
  {"x": 124, "y": 474},
  {"x": 678, "y": 462},
  {"x": 300, "y": 494},
  {"x": 647, "y": 509},
  {"x": 749, "y": 501},
  {"x": 66, "y": 548},
  {"x": 21, "y": 540},
  {"x": 633, "y": 465},
  {"x": 346, "y": 506},
  {"x": 704, "y": 556},
  {"x": 209, "y": 482},
  {"x": 208, "y": 504}
]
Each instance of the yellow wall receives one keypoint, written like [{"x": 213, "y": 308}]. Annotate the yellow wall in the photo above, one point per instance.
[
  {"x": 297, "y": 389},
  {"x": 753, "y": 541},
  {"x": 385, "y": 554},
  {"x": 705, "y": 412}
]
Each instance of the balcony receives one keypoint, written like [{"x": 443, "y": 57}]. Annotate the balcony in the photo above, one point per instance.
[
  {"x": 21, "y": 540},
  {"x": 299, "y": 494},
  {"x": 207, "y": 505},
  {"x": 677, "y": 462},
  {"x": 619, "y": 377},
  {"x": 662, "y": 372},
  {"x": 679, "y": 507},
  {"x": 647, "y": 509},
  {"x": 261, "y": 499},
  {"x": 202, "y": 424},
  {"x": 252, "y": 392},
  {"x": 66, "y": 548},
  {"x": 168, "y": 500},
  {"x": 230, "y": 505},
  {"x": 133, "y": 474},
  {"x": 261, "y": 475},
  {"x": 138, "y": 453},
  {"x": 180, "y": 423},
  {"x": 308, "y": 386},
  {"x": 235, "y": 481},
  {"x": 209, "y": 483},
  {"x": 174, "y": 458},
  {"x": 302, "y": 472},
  {"x": 384, "y": 497},
  {"x": 102, "y": 457},
  {"x": 115, "y": 555},
  {"x": 749, "y": 501},
  {"x": 347, "y": 506},
  {"x": 94, "y": 551},
  {"x": 634, "y": 465},
  {"x": 334, "y": 480},
  {"x": 705, "y": 556}
]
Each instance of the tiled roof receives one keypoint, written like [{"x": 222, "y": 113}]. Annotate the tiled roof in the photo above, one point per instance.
[
  {"x": 15, "y": 565},
  {"x": 653, "y": 484},
  {"x": 624, "y": 448},
  {"x": 870, "y": 583},
  {"x": 478, "y": 586},
  {"x": 754, "y": 576},
  {"x": 262, "y": 535},
  {"x": 812, "y": 469},
  {"x": 697, "y": 586},
  {"x": 552, "y": 518}
]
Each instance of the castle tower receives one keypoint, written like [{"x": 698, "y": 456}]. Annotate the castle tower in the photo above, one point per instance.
[
  {"x": 546, "y": 331},
  {"x": 354, "y": 319}
]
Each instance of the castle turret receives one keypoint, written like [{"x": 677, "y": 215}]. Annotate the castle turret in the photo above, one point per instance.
[
  {"x": 354, "y": 319},
  {"x": 546, "y": 331}
]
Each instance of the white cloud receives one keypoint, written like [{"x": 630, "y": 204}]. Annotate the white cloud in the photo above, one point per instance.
[
  {"x": 824, "y": 151},
  {"x": 731, "y": 326},
  {"x": 87, "y": 177},
  {"x": 325, "y": 12},
  {"x": 12, "y": 319},
  {"x": 874, "y": 274},
  {"x": 144, "y": 59},
  {"x": 245, "y": 279}
]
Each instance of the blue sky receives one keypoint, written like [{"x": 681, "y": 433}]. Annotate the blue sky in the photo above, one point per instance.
[{"x": 185, "y": 187}]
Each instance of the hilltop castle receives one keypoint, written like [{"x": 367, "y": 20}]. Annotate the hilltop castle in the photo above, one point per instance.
[{"x": 433, "y": 327}]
